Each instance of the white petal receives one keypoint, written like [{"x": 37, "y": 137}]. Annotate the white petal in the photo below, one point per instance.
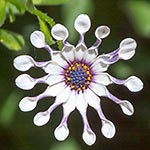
[
  {"x": 102, "y": 78},
  {"x": 99, "y": 89},
  {"x": 27, "y": 104},
  {"x": 82, "y": 23},
  {"x": 41, "y": 118},
  {"x": 108, "y": 129},
  {"x": 61, "y": 132},
  {"x": 92, "y": 99},
  {"x": 102, "y": 32},
  {"x": 23, "y": 62},
  {"x": 68, "y": 53},
  {"x": 126, "y": 53},
  {"x": 69, "y": 106},
  {"x": 134, "y": 84},
  {"x": 98, "y": 66},
  {"x": 127, "y": 48},
  {"x": 59, "y": 59},
  {"x": 128, "y": 42},
  {"x": 53, "y": 79},
  {"x": 79, "y": 52},
  {"x": 126, "y": 107},
  {"x": 90, "y": 55},
  {"x": 81, "y": 103},
  {"x": 59, "y": 32},
  {"x": 25, "y": 82},
  {"x": 55, "y": 89},
  {"x": 89, "y": 137},
  {"x": 37, "y": 39},
  {"x": 53, "y": 68},
  {"x": 63, "y": 96}
]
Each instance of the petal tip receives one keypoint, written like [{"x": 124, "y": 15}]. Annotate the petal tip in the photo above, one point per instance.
[
  {"x": 27, "y": 104},
  {"x": 127, "y": 107},
  {"x": 134, "y": 84},
  {"x": 102, "y": 32},
  {"x": 23, "y": 62},
  {"x": 25, "y": 82},
  {"x": 59, "y": 32},
  {"x": 89, "y": 137},
  {"x": 108, "y": 129},
  {"x": 37, "y": 39},
  {"x": 41, "y": 118},
  {"x": 82, "y": 23},
  {"x": 61, "y": 132},
  {"x": 127, "y": 48}
]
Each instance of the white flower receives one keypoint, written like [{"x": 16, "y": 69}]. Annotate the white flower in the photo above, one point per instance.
[{"x": 77, "y": 77}]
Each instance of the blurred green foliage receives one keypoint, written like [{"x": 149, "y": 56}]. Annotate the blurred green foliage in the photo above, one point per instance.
[
  {"x": 11, "y": 39},
  {"x": 139, "y": 12},
  {"x": 66, "y": 145},
  {"x": 11, "y": 8},
  {"x": 129, "y": 18},
  {"x": 8, "y": 110},
  {"x": 49, "y": 2}
]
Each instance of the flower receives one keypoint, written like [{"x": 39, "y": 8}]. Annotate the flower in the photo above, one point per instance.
[{"x": 77, "y": 77}]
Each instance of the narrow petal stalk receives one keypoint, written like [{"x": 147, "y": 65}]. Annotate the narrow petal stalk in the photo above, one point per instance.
[
  {"x": 125, "y": 105},
  {"x": 88, "y": 135},
  {"x": 42, "y": 118},
  {"x": 108, "y": 129}
]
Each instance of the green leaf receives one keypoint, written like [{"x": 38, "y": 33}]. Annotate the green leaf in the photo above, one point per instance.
[
  {"x": 29, "y": 5},
  {"x": 59, "y": 43},
  {"x": 139, "y": 14},
  {"x": 49, "y": 2},
  {"x": 44, "y": 17},
  {"x": 17, "y": 6},
  {"x": 11, "y": 15},
  {"x": 11, "y": 40},
  {"x": 45, "y": 30},
  {"x": 2, "y": 11}
]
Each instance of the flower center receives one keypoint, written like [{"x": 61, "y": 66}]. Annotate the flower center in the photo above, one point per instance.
[{"x": 78, "y": 76}]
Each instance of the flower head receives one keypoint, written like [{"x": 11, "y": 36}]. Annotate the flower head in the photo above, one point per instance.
[{"x": 76, "y": 77}]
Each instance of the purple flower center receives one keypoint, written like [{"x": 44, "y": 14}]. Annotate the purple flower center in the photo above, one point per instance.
[{"x": 78, "y": 76}]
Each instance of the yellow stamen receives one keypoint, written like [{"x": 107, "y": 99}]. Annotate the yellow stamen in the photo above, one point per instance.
[
  {"x": 84, "y": 66},
  {"x": 68, "y": 78},
  {"x": 88, "y": 78},
  {"x": 79, "y": 89},
  {"x": 72, "y": 86},
  {"x": 87, "y": 72},
  {"x": 77, "y": 65},
  {"x": 87, "y": 82},
  {"x": 83, "y": 88}
]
